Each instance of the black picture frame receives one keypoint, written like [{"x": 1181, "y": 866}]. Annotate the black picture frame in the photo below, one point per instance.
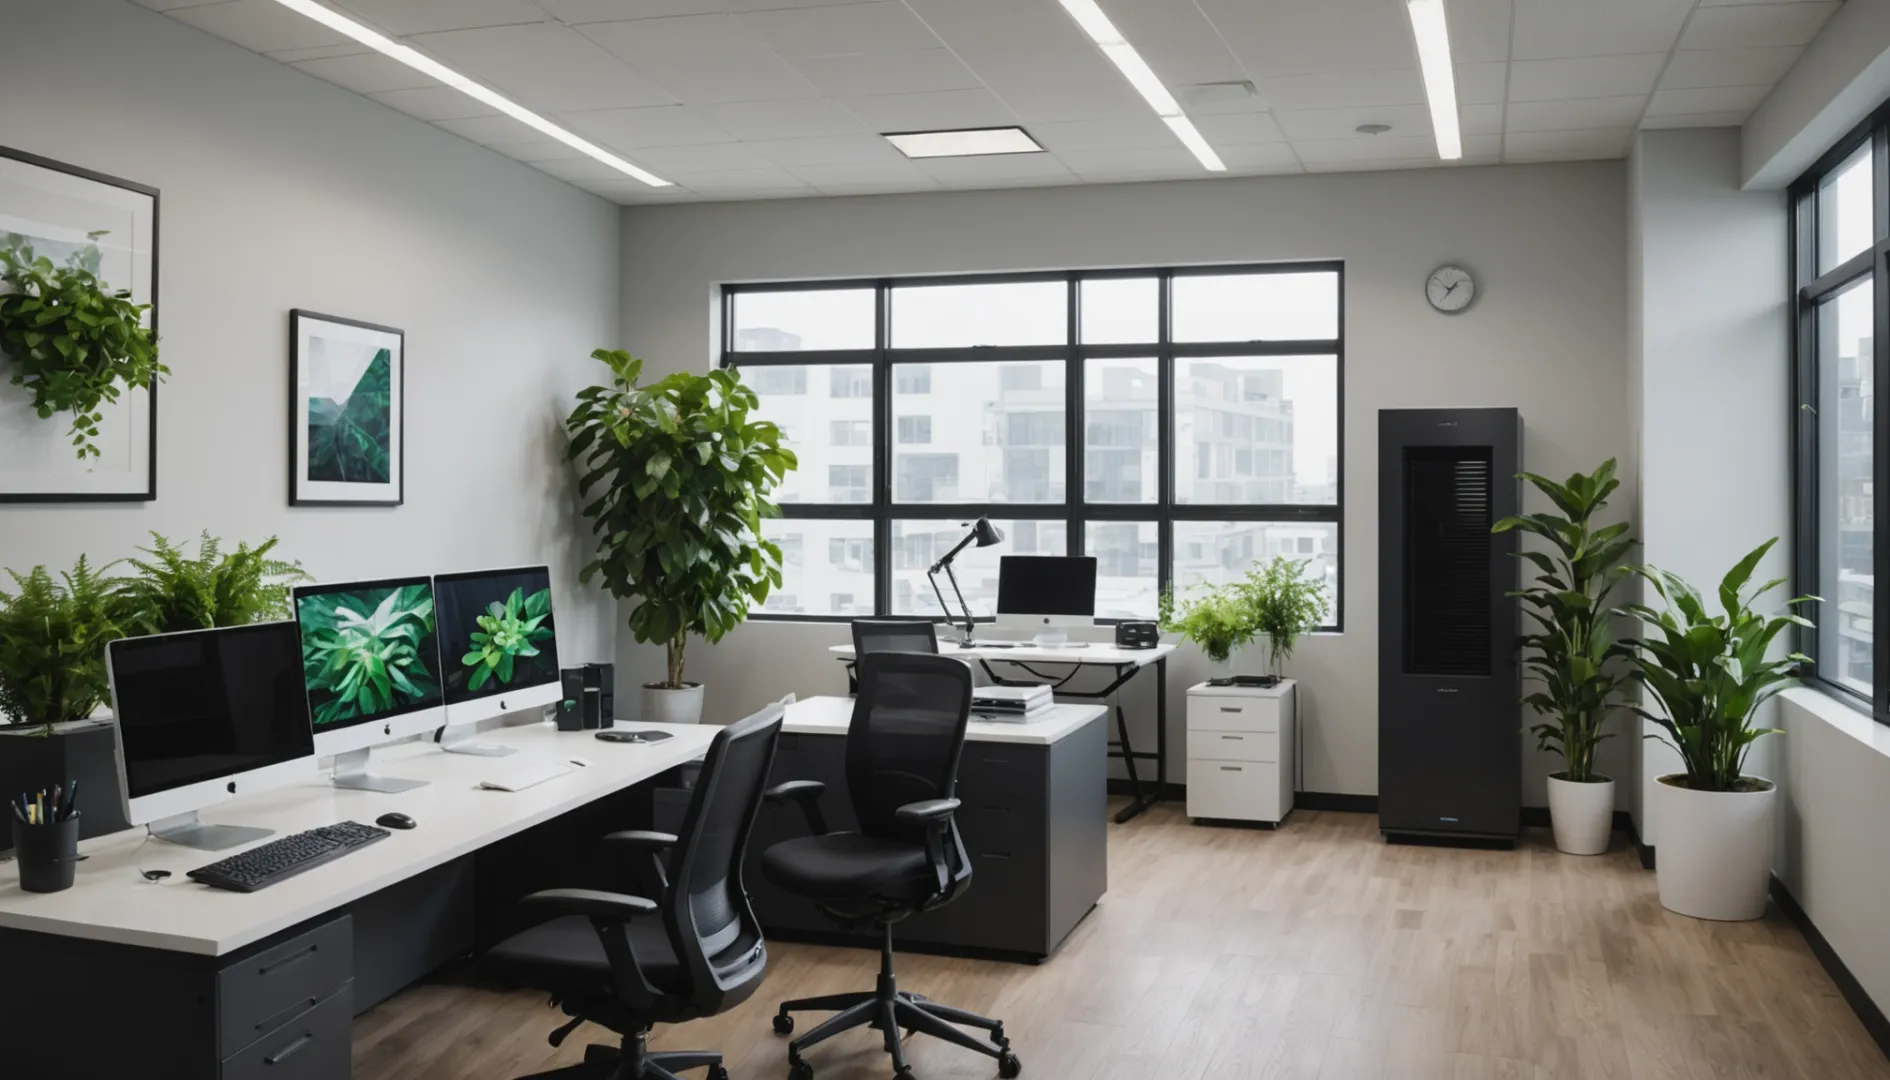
[
  {"x": 148, "y": 493},
  {"x": 304, "y": 491}
]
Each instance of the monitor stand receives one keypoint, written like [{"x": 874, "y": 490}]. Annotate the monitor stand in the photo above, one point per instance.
[
  {"x": 351, "y": 771},
  {"x": 458, "y": 739},
  {"x": 1054, "y": 637},
  {"x": 186, "y": 830}
]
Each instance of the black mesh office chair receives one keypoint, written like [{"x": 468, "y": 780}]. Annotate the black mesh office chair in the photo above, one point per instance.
[
  {"x": 888, "y": 635},
  {"x": 689, "y": 947},
  {"x": 903, "y": 745}
]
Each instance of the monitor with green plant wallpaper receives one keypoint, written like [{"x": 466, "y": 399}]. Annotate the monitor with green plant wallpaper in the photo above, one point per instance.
[
  {"x": 498, "y": 649},
  {"x": 371, "y": 663}
]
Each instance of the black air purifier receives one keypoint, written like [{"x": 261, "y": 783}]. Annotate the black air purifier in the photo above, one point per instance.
[{"x": 1449, "y": 673}]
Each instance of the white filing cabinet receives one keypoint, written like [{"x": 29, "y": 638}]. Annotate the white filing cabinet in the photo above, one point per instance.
[{"x": 1240, "y": 752}]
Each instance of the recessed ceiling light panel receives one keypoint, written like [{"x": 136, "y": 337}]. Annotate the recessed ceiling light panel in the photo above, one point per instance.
[
  {"x": 972, "y": 142},
  {"x": 1432, "y": 33}
]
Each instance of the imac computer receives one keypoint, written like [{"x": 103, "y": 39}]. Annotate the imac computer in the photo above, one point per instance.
[
  {"x": 202, "y": 717},
  {"x": 1046, "y": 594},
  {"x": 371, "y": 662},
  {"x": 498, "y": 649}
]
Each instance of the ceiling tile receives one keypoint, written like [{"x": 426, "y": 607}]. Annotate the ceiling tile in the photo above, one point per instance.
[
  {"x": 1480, "y": 119},
  {"x": 661, "y": 125},
  {"x": 578, "y": 168},
  {"x": 833, "y": 150},
  {"x": 1146, "y": 163},
  {"x": 319, "y": 52},
  {"x": 702, "y": 59},
  {"x": 1300, "y": 37},
  {"x": 1584, "y": 77},
  {"x": 1696, "y": 68},
  {"x": 1007, "y": 42},
  {"x": 1385, "y": 148},
  {"x": 1339, "y": 90},
  {"x": 1098, "y": 100},
  {"x": 577, "y": 12},
  {"x": 423, "y": 16},
  {"x": 1216, "y": 99},
  {"x": 535, "y": 148},
  {"x": 844, "y": 30},
  {"x": 1577, "y": 145},
  {"x": 1696, "y": 120},
  {"x": 435, "y": 103},
  {"x": 913, "y": 72},
  {"x": 863, "y": 177},
  {"x": 1127, "y": 133},
  {"x": 1755, "y": 26},
  {"x": 1479, "y": 31},
  {"x": 546, "y": 65},
  {"x": 931, "y": 112},
  {"x": 803, "y": 118},
  {"x": 712, "y": 157},
  {"x": 1258, "y": 159},
  {"x": 260, "y": 25},
  {"x": 1551, "y": 28},
  {"x": 1178, "y": 41},
  {"x": 627, "y": 191},
  {"x": 173, "y": 5},
  {"x": 767, "y": 179},
  {"x": 1481, "y": 84},
  {"x": 1717, "y": 99},
  {"x": 739, "y": 6},
  {"x": 366, "y": 73},
  {"x": 493, "y": 130},
  {"x": 1231, "y": 129},
  {"x": 1004, "y": 170},
  {"x": 1586, "y": 113},
  {"x": 1405, "y": 120}
]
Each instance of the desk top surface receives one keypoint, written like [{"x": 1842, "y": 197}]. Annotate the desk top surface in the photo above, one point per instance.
[
  {"x": 831, "y": 715},
  {"x": 1092, "y": 653},
  {"x": 110, "y": 901}
]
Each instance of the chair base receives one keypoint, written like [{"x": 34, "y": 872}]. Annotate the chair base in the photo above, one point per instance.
[
  {"x": 635, "y": 1061},
  {"x": 890, "y": 1010}
]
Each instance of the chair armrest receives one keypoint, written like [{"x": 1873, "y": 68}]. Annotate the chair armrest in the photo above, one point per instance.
[
  {"x": 807, "y": 793},
  {"x": 610, "y": 915},
  {"x": 932, "y": 812},
  {"x": 609, "y": 907},
  {"x": 935, "y": 817},
  {"x": 640, "y": 839},
  {"x": 652, "y": 873}
]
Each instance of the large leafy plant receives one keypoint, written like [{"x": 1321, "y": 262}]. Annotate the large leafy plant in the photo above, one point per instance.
[
  {"x": 681, "y": 474},
  {"x": 75, "y": 344},
  {"x": 1711, "y": 672},
  {"x": 364, "y": 653},
  {"x": 508, "y": 633},
  {"x": 173, "y": 591},
  {"x": 53, "y": 633},
  {"x": 1571, "y": 652},
  {"x": 1288, "y": 602}
]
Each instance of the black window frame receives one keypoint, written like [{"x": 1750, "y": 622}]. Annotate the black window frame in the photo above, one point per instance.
[
  {"x": 1808, "y": 289},
  {"x": 1075, "y": 511}
]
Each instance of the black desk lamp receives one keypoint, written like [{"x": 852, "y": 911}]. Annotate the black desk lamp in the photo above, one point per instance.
[{"x": 985, "y": 534}]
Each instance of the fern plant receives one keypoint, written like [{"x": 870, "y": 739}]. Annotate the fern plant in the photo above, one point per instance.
[
  {"x": 53, "y": 633},
  {"x": 173, "y": 591},
  {"x": 1288, "y": 602},
  {"x": 508, "y": 633},
  {"x": 1218, "y": 618}
]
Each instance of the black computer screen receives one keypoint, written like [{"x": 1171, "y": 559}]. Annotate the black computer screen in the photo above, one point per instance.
[
  {"x": 208, "y": 703},
  {"x": 1047, "y": 585},
  {"x": 496, "y": 632},
  {"x": 370, "y": 650}
]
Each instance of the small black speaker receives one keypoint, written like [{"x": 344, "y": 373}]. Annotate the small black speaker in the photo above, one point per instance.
[
  {"x": 1137, "y": 635},
  {"x": 603, "y": 679},
  {"x": 570, "y": 708}
]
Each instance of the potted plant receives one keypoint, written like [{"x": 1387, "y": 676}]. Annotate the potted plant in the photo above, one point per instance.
[
  {"x": 53, "y": 633},
  {"x": 1218, "y": 618},
  {"x": 173, "y": 591},
  {"x": 1288, "y": 601},
  {"x": 1710, "y": 673},
  {"x": 1572, "y": 652},
  {"x": 681, "y": 475}
]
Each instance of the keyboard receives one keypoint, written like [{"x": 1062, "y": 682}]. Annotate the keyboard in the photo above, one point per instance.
[
  {"x": 261, "y": 867},
  {"x": 530, "y": 774}
]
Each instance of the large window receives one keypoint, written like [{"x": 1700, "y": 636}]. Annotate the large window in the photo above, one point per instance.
[
  {"x": 1179, "y": 425},
  {"x": 1839, "y": 232}
]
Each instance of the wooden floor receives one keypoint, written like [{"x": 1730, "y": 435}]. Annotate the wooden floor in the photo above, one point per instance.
[{"x": 1318, "y": 951}]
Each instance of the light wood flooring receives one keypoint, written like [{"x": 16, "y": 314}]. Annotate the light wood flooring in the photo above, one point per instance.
[{"x": 1317, "y": 951}]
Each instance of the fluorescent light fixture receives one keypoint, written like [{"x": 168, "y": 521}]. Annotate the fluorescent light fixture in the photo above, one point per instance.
[
  {"x": 1142, "y": 77},
  {"x": 1440, "y": 86},
  {"x": 971, "y": 142},
  {"x": 426, "y": 65}
]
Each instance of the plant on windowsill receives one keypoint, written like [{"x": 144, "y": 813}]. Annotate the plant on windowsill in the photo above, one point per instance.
[
  {"x": 1277, "y": 601},
  {"x": 1710, "y": 673},
  {"x": 1571, "y": 653},
  {"x": 680, "y": 473}
]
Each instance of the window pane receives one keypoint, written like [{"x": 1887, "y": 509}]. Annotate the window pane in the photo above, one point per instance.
[
  {"x": 1126, "y": 553},
  {"x": 994, "y": 433},
  {"x": 917, "y": 544},
  {"x": 1847, "y": 403},
  {"x": 1217, "y": 552},
  {"x": 826, "y": 567},
  {"x": 1257, "y": 430},
  {"x": 825, "y": 423},
  {"x": 1257, "y": 307},
  {"x": 959, "y": 316},
  {"x": 793, "y": 321},
  {"x": 1122, "y": 435},
  {"x": 1121, "y": 311},
  {"x": 1844, "y": 210}
]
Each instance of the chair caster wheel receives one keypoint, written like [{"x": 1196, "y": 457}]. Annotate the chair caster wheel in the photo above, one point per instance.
[
  {"x": 1009, "y": 1066},
  {"x": 783, "y": 1024},
  {"x": 800, "y": 1070},
  {"x": 904, "y": 1074},
  {"x": 718, "y": 1072}
]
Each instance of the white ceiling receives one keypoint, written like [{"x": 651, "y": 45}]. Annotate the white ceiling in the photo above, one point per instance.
[{"x": 751, "y": 99}]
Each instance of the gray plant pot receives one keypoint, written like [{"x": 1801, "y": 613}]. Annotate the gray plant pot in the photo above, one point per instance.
[{"x": 661, "y": 706}]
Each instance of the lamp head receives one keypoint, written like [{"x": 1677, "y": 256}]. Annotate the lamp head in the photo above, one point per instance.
[{"x": 987, "y": 533}]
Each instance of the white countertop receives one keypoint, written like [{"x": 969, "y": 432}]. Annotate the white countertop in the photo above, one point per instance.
[
  {"x": 831, "y": 715},
  {"x": 110, "y": 901},
  {"x": 1278, "y": 689},
  {"x": 1093, "y": 653}
]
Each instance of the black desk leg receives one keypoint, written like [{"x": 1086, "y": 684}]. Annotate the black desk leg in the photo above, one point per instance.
[{"x": 1148, "y": 796}]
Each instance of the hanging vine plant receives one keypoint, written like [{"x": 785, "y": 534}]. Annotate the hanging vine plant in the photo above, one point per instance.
[{"x": 74, "y": 344}]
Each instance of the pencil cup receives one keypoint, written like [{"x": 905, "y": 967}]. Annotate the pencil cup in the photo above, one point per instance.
[{"x": 48, "y": 854}]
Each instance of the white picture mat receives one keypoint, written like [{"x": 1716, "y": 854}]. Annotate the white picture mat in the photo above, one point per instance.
[{"x": 322, "y": 352}]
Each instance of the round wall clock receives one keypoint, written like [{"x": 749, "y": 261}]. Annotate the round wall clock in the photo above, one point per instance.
[{"x": 1450, "y": 289}]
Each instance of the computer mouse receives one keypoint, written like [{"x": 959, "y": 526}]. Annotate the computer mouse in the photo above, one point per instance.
[{"x": 395, "y": 821}]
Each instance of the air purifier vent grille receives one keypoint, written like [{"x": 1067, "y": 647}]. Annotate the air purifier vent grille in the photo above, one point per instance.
[{"x": 1447, "y": 560}]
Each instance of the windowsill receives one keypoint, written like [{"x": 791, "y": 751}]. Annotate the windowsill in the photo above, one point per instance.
[{"x": 1842, "y": 715}]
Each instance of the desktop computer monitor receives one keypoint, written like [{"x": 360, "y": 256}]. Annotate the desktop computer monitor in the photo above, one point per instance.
[
  {"x": 202, "y": 717},
  {"x": 371, "y": 662},
  {"x": 498, "y": 648},
  {"x": 1046, "y": 594}
]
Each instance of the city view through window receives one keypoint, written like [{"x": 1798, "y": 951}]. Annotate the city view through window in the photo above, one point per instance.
[{"x": 963, "y": 393}]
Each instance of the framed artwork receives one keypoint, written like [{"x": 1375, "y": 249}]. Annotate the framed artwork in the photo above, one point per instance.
[
  {"x": 69, "y": 214},
  {"x": 346, "y": 412}
]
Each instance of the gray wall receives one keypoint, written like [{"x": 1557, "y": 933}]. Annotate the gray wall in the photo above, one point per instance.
[
  {"x": 281, "y": 191},
  {"x": 1546, "y": 335}
]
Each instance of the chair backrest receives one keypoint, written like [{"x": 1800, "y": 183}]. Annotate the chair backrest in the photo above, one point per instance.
[
  {"x": 907, "y": 733},
  {"x": 894, "y": 635},
  {"x": 711, "y": 926}
]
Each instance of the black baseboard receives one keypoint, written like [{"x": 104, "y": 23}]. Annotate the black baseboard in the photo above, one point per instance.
[
  {"x": 1171, "y": 790},
  {"x": 1334, "y": 800},
  {"x": 1854, "y": 994},
  {"x": 1538, "y": 817}
]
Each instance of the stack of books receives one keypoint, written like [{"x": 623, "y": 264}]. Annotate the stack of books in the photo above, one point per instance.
[{"x": 1014, "y": 703}]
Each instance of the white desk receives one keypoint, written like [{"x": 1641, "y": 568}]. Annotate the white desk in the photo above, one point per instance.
[{"x": 831, "y": 715}]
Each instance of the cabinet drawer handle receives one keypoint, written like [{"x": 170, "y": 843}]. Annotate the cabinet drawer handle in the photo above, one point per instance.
[
  {"x": 290, "y": 1050},
  {"x": 1230, "y": 768},
  {"x": 292, "y": 958},
  {"x": 1230, "y": 708},
  {"x": 1236, "y": 738},
  {"x": 271, "y": 1023}
]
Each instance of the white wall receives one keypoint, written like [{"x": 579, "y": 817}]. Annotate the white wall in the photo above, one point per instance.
[
  {"x": 281, "y": 191},
  {"x": 1545, "y": 335},
  {"x": 1839, "y": 80}
]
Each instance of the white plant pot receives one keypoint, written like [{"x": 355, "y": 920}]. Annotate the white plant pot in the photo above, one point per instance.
[
  {"x": 1713, "y": 850},
  {"x": 1582, "y": 815},
  {"x": 661, "y": 706}
]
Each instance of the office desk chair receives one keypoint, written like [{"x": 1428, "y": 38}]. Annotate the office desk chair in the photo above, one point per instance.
[
  {"x": 903, "y": 745},
  {"x": 689, "y": 947},
  {"x": 888, "y": 635}
]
